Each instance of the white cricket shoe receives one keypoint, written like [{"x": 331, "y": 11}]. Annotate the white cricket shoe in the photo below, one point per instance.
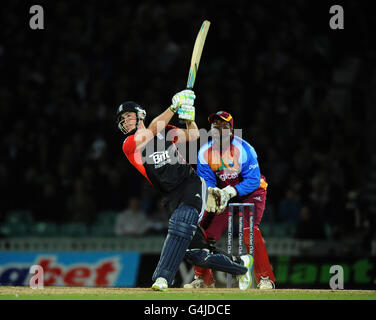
[
  {"x": 198, "y": 283},
  {"x": 160, "y": 285},
  {"x": 245, "y": 280},
  {"x": 266, "y": 284}
]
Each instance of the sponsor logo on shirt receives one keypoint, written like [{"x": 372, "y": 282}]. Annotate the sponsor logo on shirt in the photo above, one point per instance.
[
  {"x": 160, "y": 158},
  {"x": 225, "y": 176}
]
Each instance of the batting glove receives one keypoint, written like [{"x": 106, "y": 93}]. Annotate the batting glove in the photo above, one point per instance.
[
  {"x": 185, "y": 97},
  {"x": 187, "y": 113}
]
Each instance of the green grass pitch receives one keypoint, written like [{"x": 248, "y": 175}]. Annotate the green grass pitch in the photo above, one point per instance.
[{"x": 85, "y": 293}]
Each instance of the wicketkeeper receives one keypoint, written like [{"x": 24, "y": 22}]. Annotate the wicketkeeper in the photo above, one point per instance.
[{"x": 230, "y": 168}]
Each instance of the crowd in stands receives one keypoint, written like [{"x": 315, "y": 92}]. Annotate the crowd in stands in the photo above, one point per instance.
[{"x": 269, "y": 64}]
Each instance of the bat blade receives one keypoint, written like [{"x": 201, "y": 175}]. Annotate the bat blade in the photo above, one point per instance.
[{"x": 197, "y": 52}]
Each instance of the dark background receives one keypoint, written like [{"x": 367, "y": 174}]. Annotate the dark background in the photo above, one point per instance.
[{"x": 302, "y": 93}]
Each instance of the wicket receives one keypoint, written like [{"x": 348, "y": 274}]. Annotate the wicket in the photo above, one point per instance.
[{"x": 241, "y": 207}]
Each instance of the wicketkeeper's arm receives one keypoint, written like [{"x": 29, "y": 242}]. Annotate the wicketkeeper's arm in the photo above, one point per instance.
[{"x": 251, "y": 176}]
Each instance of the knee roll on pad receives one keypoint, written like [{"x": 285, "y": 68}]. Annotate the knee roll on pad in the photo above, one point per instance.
[{"x": 183, "y": 223}]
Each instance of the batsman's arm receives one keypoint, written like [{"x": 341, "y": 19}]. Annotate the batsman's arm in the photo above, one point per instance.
[
  {"x": 143, "y": 136},
  {"x": 160, "y": 122},
  {"x": 182, "y": 98},
  {"x": 191, "y": 133}
]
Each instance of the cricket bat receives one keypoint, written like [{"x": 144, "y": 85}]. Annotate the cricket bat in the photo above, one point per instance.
[
  {"x": 197, "y": 52},
  {"x": 186, "y": 113}
]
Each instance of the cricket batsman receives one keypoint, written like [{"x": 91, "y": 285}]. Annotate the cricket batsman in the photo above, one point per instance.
[
  {"x": 230, "y": 168},
  {"x": 152, "y": 151}
]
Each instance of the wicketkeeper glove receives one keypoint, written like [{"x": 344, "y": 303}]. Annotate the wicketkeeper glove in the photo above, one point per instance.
[
  {"x": 213, "y": 200},
  {"x": 185, "y": 97},
  {"x": 226, "y": 194}
]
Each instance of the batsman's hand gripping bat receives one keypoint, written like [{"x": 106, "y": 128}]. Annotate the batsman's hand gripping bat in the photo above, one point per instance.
[{"x": 187, "y": 113}]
